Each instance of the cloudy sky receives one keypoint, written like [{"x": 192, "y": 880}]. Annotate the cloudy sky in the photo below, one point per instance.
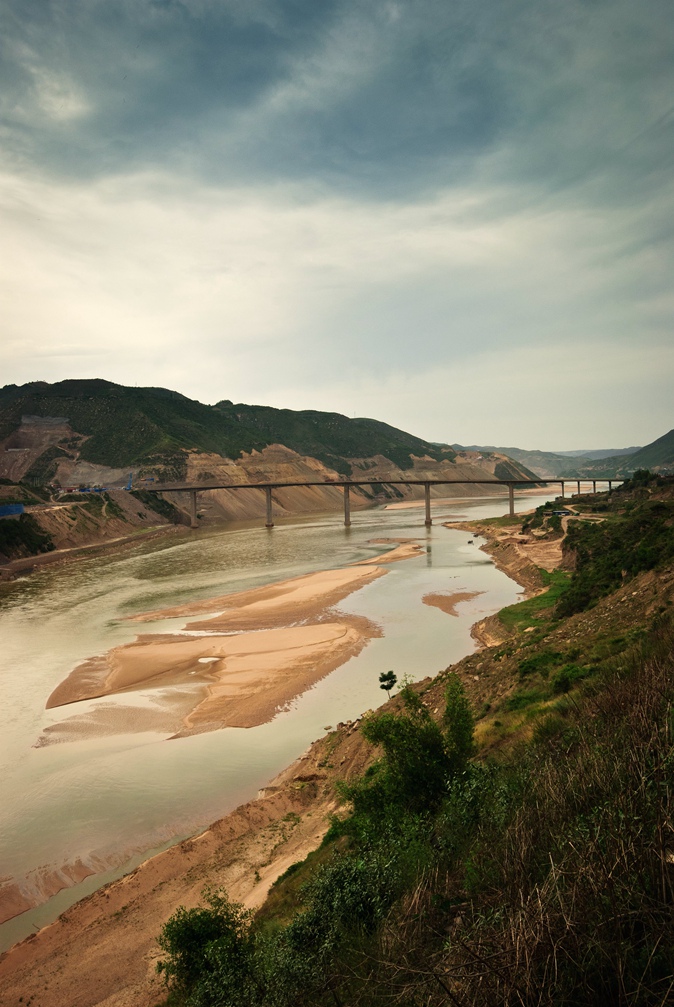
[{"x": 452, "y": 215}]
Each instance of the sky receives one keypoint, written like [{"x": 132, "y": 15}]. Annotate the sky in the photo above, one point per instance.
[{"x": 451, "y": 215}]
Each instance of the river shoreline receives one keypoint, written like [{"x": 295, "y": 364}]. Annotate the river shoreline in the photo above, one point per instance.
[
  {"x": 247, "y": 841},
  {"x": 15, "y": 568}
]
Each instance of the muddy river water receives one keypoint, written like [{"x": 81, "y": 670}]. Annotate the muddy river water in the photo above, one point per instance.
[{"x": 103, "y": 802}]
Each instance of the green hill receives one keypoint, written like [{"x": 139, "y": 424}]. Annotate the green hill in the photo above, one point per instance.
[
  {"x": 330, "y": 437},
  {"x": 656, "y": 455},
  {"x": 129, "y": 426},
  {"x": 618, "y": 464},
  {"x": 551, "y": 464}
]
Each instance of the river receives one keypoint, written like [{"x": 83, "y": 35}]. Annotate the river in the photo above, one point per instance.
[{"x": 106, "y": 801}]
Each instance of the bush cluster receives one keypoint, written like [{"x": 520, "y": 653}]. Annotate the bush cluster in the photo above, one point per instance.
[
  {"x": 611, "y": 552},
  {"x": 23, "y": 536}
]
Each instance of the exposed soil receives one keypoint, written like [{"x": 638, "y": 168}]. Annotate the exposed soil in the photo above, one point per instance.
[
  {"x": 448, "y": 602},
  {"x": 102, "y": 952}
]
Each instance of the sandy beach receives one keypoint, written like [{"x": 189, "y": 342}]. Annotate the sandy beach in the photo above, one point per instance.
[
  {"x": 405, "y": 548},
  {"x": 298, "y": 599}
]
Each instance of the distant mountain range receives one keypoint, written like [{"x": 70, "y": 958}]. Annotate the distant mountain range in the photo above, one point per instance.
[
  {"x": 657, "y": 456},
  {"x": 96, "y": 431},
  {"x": 600, "y": 452},
  {"x": 598, "y": 463}
]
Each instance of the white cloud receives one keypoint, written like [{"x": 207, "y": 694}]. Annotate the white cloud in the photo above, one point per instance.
[
  {"x": 553, "y": 397},
  {"x": 266, "y": 295}
]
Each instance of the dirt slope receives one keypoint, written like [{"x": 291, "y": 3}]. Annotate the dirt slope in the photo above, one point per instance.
[{"x": 102, "y": 952}]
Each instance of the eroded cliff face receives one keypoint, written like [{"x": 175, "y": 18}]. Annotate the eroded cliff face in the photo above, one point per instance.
[
  {"x": 35, "y": 437},
  {"x": 275, "y": 463},
  {"x": 278, "y": 463},
  {"x": 47, "y": 450}
]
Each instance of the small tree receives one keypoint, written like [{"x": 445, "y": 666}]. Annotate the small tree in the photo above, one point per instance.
[
  {"x": 387, "y": 680},
  {"x": 458, "y": 723}
]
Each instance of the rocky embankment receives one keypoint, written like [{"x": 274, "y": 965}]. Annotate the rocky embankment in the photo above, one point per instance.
[{"x": 77, "y": 525}]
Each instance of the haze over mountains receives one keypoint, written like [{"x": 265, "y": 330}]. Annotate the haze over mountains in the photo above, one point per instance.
[{"x": 598, "y": 463}]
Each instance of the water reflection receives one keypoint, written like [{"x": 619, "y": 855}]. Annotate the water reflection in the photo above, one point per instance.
[{"x": 136, "y": 791}]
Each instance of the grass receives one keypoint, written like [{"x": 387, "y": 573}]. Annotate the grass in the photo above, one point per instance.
[
  {"x": 537, "y": 611},
  {"x": 285, "y": 894}
]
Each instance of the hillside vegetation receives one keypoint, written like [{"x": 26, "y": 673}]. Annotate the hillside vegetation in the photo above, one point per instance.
[
  {"x": 528, "y": 861},
  {"x": 618, "y": 464},
  {"x": 657, "y": 456},
  {"x": 550, "y": 464},
  {"x": 127, "y": 426}
]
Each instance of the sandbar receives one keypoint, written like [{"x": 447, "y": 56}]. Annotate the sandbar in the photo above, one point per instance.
[
  {"x": 238, "y": 668},
  {"x": 295, "y": 600},
  {"x": 406, "y": 548},
  {"x": 448, "y": 602}
]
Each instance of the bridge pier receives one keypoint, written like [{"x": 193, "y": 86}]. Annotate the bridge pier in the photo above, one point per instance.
[
  {"x": 347, "y": 507},
  {"x": 427, "y": 499},
  {"x": 511, "y": 499},
  {"x": 194, "y": 523},
  {"x": 609, "y": 485},
  {"x": 579, "y": 487},
  {"x": 562, "y": 482},
  {"x": 270, "y": 519},
  {"x": 594, "y": 485}
]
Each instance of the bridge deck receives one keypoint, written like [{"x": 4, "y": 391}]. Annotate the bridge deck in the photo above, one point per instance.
[
  {"x": 347, "y": 484},
  {"x": 177, "y": 487}
]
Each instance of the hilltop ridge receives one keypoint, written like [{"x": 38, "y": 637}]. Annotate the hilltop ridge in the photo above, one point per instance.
[
  {"x": 614, "y": 463},
  {"x": 81, "y": 434},
  {"x": 96, "y": 431}
]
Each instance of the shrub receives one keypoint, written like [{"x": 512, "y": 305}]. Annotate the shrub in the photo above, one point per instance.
[
  {"x": 567, "y": 676},
  {"x": 23, "y": 536},
  {"x": 540, "y": 663},
  {"x": 209, "y": 952}
]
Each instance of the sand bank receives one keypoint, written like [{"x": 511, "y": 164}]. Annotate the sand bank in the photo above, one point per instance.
[
  {"x": 235, "y": 669},
  {"x": 247, "y": 677},
  {"x": 406, "y": 548},
  {"x": 448, "y": 602},
  {"x": 298, "y": 599}
]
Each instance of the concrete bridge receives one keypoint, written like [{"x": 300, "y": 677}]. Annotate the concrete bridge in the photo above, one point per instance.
[{"x": 347, "y": 484}]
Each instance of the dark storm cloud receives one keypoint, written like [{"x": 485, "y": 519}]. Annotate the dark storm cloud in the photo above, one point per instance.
[
  {"x": 149, "y": 72},
  {"x": 380, "y": 98}
]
